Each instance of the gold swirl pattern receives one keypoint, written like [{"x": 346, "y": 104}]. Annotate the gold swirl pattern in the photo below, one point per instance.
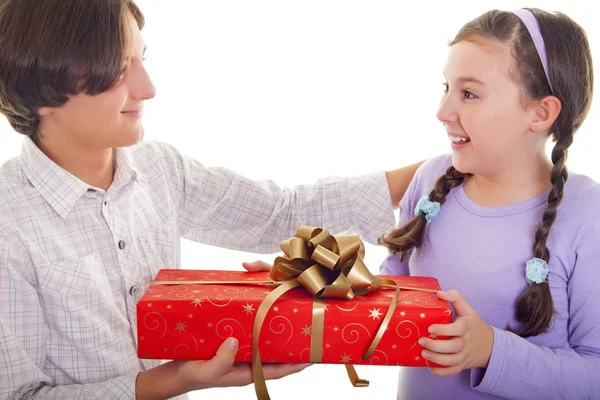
[
  {"x": 282, "y": 326},
  {"x": 375, "y": 358},
  {"x": 155, "y": 323},
  {"x": 228, "y": 328},
  {"x": 409, "y": 330},
  {"x": 354, "y": 332}
]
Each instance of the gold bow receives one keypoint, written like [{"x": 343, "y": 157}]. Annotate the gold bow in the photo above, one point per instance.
[{"x": 327, "y": 267}]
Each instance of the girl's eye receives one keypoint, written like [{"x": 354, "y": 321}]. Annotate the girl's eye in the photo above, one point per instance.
[
  {"x": 445, "y": 87},
  {"x": 470, "y": 95}
]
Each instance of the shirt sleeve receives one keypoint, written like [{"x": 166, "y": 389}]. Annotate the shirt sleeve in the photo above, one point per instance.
[
  {"x": 220, "y": 207},
  {"x": 22, "y": 341},
  {"x": 519, "y": 369}
]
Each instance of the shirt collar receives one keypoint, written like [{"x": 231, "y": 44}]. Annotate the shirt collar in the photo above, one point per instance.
[{"x": 60, "y": 188}]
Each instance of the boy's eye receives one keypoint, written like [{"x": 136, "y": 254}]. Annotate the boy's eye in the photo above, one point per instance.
[{"x": 445, "y": 87}]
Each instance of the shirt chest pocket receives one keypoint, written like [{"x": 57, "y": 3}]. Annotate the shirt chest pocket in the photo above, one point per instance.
[
  {"x": 74, "y": 277},
  {"x": 81, "y": 313}
]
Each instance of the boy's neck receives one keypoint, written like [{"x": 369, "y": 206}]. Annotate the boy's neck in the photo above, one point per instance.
[
  {"x": 511, "y": 187},
  {"x": 94, "y": 167}
]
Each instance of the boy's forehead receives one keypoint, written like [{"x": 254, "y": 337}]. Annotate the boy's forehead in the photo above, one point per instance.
[{"x": 133, "y": 36}]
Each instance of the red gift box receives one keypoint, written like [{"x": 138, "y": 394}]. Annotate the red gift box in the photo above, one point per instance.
[{"x": 188, "y": 321}]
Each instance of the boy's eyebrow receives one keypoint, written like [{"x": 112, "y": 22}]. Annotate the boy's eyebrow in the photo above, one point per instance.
[{"x": 143, "y": 52}]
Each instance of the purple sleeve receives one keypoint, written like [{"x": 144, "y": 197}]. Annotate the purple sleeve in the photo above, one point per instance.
[{"x": 519, "y": 369}]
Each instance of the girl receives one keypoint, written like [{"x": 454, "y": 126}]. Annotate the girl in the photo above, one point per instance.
[
  {"x": 503, "y": 224},
  {"x": 88, "y": 215}
]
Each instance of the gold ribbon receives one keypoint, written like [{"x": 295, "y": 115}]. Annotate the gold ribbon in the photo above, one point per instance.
[{"x": 327, "y": 267}]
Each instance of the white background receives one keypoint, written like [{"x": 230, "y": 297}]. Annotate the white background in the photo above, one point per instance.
[{"x": 258, "y": 85}]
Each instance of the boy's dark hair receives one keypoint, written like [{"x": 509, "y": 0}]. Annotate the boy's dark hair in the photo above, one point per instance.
[{"x": 54, "y": 48}]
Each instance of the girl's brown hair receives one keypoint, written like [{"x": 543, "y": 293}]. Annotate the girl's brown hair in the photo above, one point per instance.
[
  {"x": 570, "y": 70},
  {"x": 54, "y": 48}
]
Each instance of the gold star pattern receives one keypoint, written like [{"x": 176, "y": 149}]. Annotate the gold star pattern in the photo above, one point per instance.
[
  {"x": 275, "y": 309},
  {"x": 448, "y": 312},
  {"x": 295, "y": 310},
  {"x": 291, "y": 354},
  {"x": 375, "y": 314},
  {"x": 209, "y": 324},
  {"x": 394, "y": 346},
  {"x": 157, "y": 296},
  {"x": 248, "y": 308},
  {"x": 407, "y": 302},
  {"x": 143, "y": 338},
  {"x": 417, "y": 358},
  {"x": 149, "y": 304},
  {"x": 197, "y": 302},
  {"x": 190, "y": 315},
  {"x": 402, "y": 313},
  {"x": 169, "y": 306},
  {"x": 328, "y": 345},
  {"x": 180, "y": 327},
  {"x": 389, "y": 295},
  {"x": 196, "y": 291},
  {"x": 306, "y": 330},
  {"x": 201, "y": 340},
  {"x": 268, "y": 342},
  {"x": 346, "y": 359},
  {"x": 422, "y": 315},
  {"x": 335, "y": 329},
  {"x": 165, "y": 349}
]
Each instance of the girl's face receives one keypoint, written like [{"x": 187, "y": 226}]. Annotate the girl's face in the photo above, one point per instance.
[
  {"x": 109, "y": 119},
  {"x": 483, "y": 109}
]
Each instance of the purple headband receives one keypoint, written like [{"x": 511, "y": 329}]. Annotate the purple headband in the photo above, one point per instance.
[{"x": 533, "y": 27}]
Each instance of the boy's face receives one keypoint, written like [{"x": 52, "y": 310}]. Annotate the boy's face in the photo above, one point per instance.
[
  {"x": 109, "y": 119},
  {"x": 484, "y": 105}
]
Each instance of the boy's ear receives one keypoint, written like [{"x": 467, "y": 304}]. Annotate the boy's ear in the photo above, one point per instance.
[
  {"x": 45, "y": 111},
  {"x": 546, "y": 111}
]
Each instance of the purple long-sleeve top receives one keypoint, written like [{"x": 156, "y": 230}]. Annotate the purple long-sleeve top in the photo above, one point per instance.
[{"x": 481, "y": 252}]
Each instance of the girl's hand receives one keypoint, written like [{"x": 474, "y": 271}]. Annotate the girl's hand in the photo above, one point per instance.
[
  {"x": 470, "y": 339},
  {"x": 257, "y": 266}
]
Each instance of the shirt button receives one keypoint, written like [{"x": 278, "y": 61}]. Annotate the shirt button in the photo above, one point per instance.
[
  {"x": 133, "y": 290},
  {"x": 121, "y": 244}
]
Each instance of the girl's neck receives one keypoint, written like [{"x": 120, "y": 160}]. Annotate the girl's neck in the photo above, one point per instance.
[{"x": 512, "y": 186}]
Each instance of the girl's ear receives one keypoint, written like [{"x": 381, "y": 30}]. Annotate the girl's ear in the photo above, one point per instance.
[{"x": 545, "y": 112}]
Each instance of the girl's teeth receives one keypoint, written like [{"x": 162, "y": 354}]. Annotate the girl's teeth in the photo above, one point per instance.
[{"x": 457, "y": 139}]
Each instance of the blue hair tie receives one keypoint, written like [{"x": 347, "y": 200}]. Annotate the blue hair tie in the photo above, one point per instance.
[
  {"x": 427, "y": 207},
  {"x": 536, "y": 271}
]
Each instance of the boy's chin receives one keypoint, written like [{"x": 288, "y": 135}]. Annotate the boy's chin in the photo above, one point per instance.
[{"x": 131, "y": 138}]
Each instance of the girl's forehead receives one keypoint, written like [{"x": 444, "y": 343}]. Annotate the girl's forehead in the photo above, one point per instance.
[{"x": 482, "y": 58}]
